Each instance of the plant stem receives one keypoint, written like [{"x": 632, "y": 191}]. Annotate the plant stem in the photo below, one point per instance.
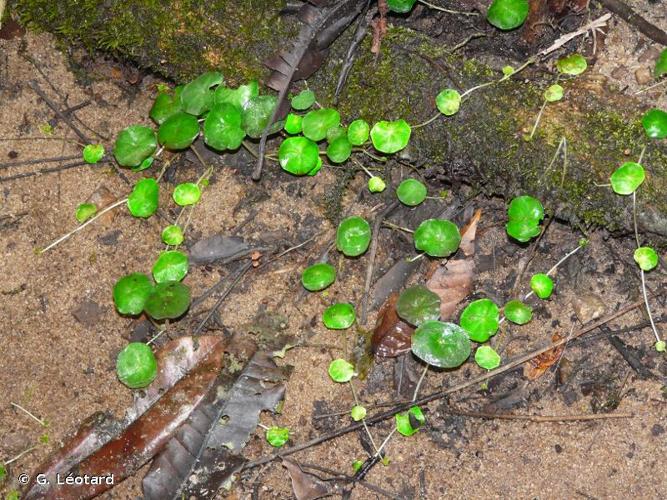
[
  {"x": 651, "y": 87},
  {"x": 442, "y": 9},
  {"x": 250, "y": 148},
  {"x": 363, "y": 420},
  {"x": 429, "y": 121},
  {"x": 38, "y": 420},
  {"x": 361, "y": 165},
  {"x": 20, "y": 455},
  {"x": 394, "y": 226},
  {"x": 371, "y": 155},
  {"x": 421, "y": 379},
  {"x": 539, "y": 117}
]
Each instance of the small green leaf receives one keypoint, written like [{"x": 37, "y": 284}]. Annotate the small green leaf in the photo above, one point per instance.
[
  {"x": 627, "y": 178},
  {"x": 401, "y": 6},
  {"x": 525, "y": 208},
  {"x": 487, "y": 358},
  {"x": 237, "y": 97},
  {"x": 169, "y": 300},
  {"x": 293, "y": 124},
  {"x": 93, "y": 153},
  {"x": 222, "y": 127},
  {"x": 480, "y": 319},
  {"x": 507, "y": 14},
  {"x": 417, "y": 304},
  {"x": 444, "y": 345},
  {"x": 303, "y": 100},
  {"x": 133, "y": 145},
  {"x": 358, "y": 413},
  {"x": 448, "y": 102},
  {"x": 437, "y": 237},
  {"x": 3, "y": 473},
  {"x": 131, "y": 292},
  {"x": 256, "y": 115},
  {"x": 187, "y": 193},
  {"x": 85, "y": 211},
  {"x": 661, "y": 64},
  {"x": 376, "y": 184},
  {"x": 171, "y": 265},
  {"x": 339, "y": 150},
  {"x": 166, "y": 104},
  {"x": 390, "y": 137},
  {"x": 357, "y": 465},
  {"x": 542, "y": 285},
  {"x": 136, "y": 365},
  {"x": 143, "y": 200},
  {"x": 407, "y": 423},
  {"x": 522, "y": 230},
  {"x": 508, "y": 70},
  {"x": 411, "y": 192},
  {"x": 298, "y": 155},
  {"x": 518, "y": 312},
  {"x": 574, "y": 64},
  {"x": 316, "y": 123},
  {"x": 318, "y": 277},
  {"x": 358, "y": 131},
  {"x": 341, "y": 371},
  {"x": 144, "y": 164},
  {"x": 277, "y": 436},
  {"x": 353, "y": 236},
  {"x": 646, "y": 258},
  {"x": 178, "y": 131},
  {"x": 339, "y": 316},
  {"x": 553, "y": 93},
  {"x": 197, "y": 96},
  {"x": 661, "y": 346},
  {"x": 655, "y": 123},
  {"x": 172, "y": 235}
]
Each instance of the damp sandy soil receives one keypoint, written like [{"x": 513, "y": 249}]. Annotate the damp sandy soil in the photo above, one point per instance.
[{"x": 60, "y": 334}]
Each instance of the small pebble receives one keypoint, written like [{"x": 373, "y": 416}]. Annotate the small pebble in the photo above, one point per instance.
[
  {"x": 588, "y": 307},
  {"x": 643, "y": 76}
]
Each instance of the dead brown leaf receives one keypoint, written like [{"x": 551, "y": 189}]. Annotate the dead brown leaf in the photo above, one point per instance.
[
  {"x": 537, "y": 366},
  {"x": 305, "y": 486},
  {"x": 391, "y": 336}
]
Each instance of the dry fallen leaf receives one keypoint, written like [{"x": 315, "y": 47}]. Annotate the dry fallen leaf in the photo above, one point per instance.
[
  {"x": 391, "y": 336},
  {"x": 305, "y": 486},
  {"x": 536, "y": 367}
]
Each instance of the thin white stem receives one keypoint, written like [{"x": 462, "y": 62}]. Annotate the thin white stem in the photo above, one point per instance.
[
  {"x": 442, "y": 9},
  {"x": 427, "y": 122},
  {"x": 24, "y": 452},
  {"x": 648, "y": 308},
  {"x": 663, "y": 82},
  {"x": 421, "y": 379},
  {"x": 539, "y": 117},
  {"x": 384, "y": 443},
  {"x": 363, "y": 420},
  {"x": 263, "y": 426},
  {"x": 36, "y": 419}
]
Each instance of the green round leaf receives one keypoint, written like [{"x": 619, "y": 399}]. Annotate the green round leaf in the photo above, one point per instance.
[
  {"x": 166, "y": 104},
  {"x": 518, "y": 312},
  {"x": 303, "y": 100},
  {"x": 143, "y": 199},
  {"x": 178, "y": 131},
  {"x": 437, "y": 237},
  {"x": 293, "y": 124},
  {"x": 444, "y": 345},
  {"x": 353, "y": 236},
  {"x": 542, "y": 285},
  {"x": 358, "y": 131},
  {"x": 238, "y": 97},
  {"x": 655, "y": 123},
  {"x": 407, "y": 423},
  {"x": 335, "y": 133},
  {"x": 341, "y": 371},
  {"x": 172, "y": 235},
  {"x": 508, "y": 70},
  {"x": 277, "y": 436},
  {"x": 480, "y": 319},
  {"x": 487, "y": 358},
  {"x": 316, "y": 168},
  {"x": 390, "y": 137},
  {"x": 257, "y": 113},
  {"x": 661, "y": 346},
  {"x": 133, "y": 145},
  {"x": 136, "y": 365},
  {"x": 627, "y": 178},
  {"x": 574, "y": 64},
  {"x": 339, "y": 316},
  {"x": 553, "y": 93},
  {"x": 222, "y": 127},
  {"x": 661, "y": 64},
  {"x": 339, "y": 150},
  {"x": 171, "y": 265},
  {"x": 507, "y": 14},
  {"x": 131, "y": 292},
  {"x": 187, "y": 193},
  {"x": 93, "y": 153},
  {"x": 316, "y": 123},
  {"x": 318, "y": 276},
  {"x": 448, "y": 102},
  {"x": 197, "y": 96},
  {"x": 85, "y": 211},
  {"x": 401, "y": 6},
  {"x": 646, "y": 258},
  {"x": 169, "y": 300},
  {"x": 411, "y": 192},
  {"x": 525, "y": 208},
  {"x": 418, "y": 304},
  {"x": 376, "y": 184},
  {"x": 144, "y": 164},
  {"x": 522, "y": 230},
  {"x": 358, "y": 413},
  {"x": 298, "y": 155}
]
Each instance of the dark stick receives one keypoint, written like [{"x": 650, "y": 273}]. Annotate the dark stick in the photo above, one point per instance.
[
  {"x": 632, "y": 18},
  {"x": 44, "y": 171},
  {"x": 34, "y": 86},
  {"x": 76, "y": 107},
  {"x": 39, "y": 160}
]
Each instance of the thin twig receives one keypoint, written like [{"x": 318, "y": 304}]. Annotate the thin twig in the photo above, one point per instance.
[
  {"x": 38, "y": 160},
  {"x": 49, "y": 170},
  {"x": 24, "y": 452},
  {"x": 34, "y": 86},
  {"x": 37, "y": 419},
  {"x": 538, "y": 418}
]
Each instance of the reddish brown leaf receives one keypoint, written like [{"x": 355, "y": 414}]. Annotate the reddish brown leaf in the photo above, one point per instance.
[
  {"x": 306, "y": 486},
  {"x": 392, "y": 336},
  {"x": 379, "y": 27},
  {"x": 537, "y": 366}
]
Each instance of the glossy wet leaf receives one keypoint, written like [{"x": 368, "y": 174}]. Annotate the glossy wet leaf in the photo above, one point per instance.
[
  {"x": 448, "y": 102},
  {"x": 487, "y": 358},
  {"x": 335, "y": 133},
  {"x": 93, "y": 153},
  {"x": 134, "y": 144},
  {"x": 341, "y": 371},
  {"x": 131, "y": 292},
  {"x": 437, "y": 237},
  {"x": 353, "y": 236},
  {"x": 525, "y": 208},
  {"x": 553, "y": 93},
  {"x": 317, "y": 167},
  {"x": 293, "y": 124},
  {"x": 136, "y": 366},
  {"x": 168, "y": 300},
  {"x": 298, "y": 155},
  {"x": 85, "y": 211},
  {"x": 417, "y": 304},
  {"x": 171, "y": 265},
  {"x": 661, "y": 64},
  {"x": 339, "y": 150},
  {"x": 143, "y": 200},
  {"x": 480, "y": 319},
  {"x": 316, "y": 123},
  {"x": 627, "y": 178},
  {"x": 277, "y": 436},
  {"x": 178, "y": 131},
  {"x": 222, "y": 127},
  {"x": 237, "y": 97},
  {"x": 318, "y": 276},
  {"x": 574, "y": 64},
  {"x": 411, "y": 192},
  {"x": 187, "y": 193},
  {"x": 401, "y": 6},
  {"x": 376, "y": 184},
  {"x": 172, "y": 235},
  {"x": 507, "y": 14},
  {"x": 256, "y": 116},
  {"x": 390, "y": 137},
  {"x": 303, "y": 100},
  {"x": 147, "y": 163},
  {"x": 358, "y": 132},
  {"x": 518, "y": 312},
  {"x": 655, "y": 123},
  {"x": 409, "y": 422},
  {"x": 339, "y": 316},
  {"x": 444, "y": 345},
  {"x": 197, "y": 96},
  {"x": 522, "y": 230},
  {"x": 646, "y": 258},
  {"x": 166, "y": 104},
  {"x": 542, "y": 285}
]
